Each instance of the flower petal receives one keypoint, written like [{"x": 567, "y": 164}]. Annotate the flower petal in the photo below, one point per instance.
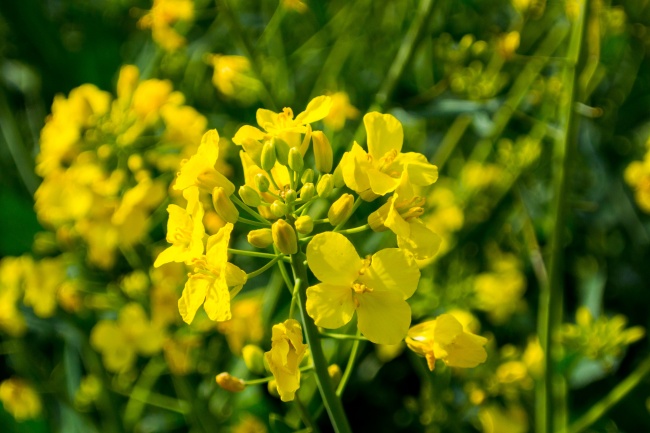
[
  {"x": 384, "y": 316},
  {"x": 193, "y": 296},
  {"x": 217, "y": 301},
  {"x": 422, "y": 242},
  {"x": 392, "y": 270},
  {"x": 381, "y": 183},
  {"x": 317, "y": 109},
  {"x": 384, "y": 134},
  {"x": 333, "y": 259},
  {"x": 329, "y": 305}
]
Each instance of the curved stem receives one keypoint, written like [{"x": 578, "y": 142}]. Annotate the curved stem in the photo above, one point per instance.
[
  {"x": 342, "y": 336},
  {"x": 254, "y": 214},
  {"x": 253, "y": 223},
  {"x": 330, "y": 400},
  {"x": 355, "y": 229},
  {"x": 264, "y": 268},
  {"x": 256, "y": 254},
  {"x": 350, "y": 366}
]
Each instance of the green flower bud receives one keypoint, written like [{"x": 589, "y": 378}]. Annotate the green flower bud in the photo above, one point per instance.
[
  {"x": 290, "y": 196},
  {"x": 307, "y": 191},
  {"x": 262, "y": 182},
  {"x": 341, "y": 209},
  {"x": 304, "y": 224},
  {"x": 278, "y": 208},
  {"x": 307, "y": 176},
  {"x": 282, "y": 150},
  {"x": 284, "y": 237},
  {"x": 295, "y": 160},
  {"x": 325, "y": 185},
  {"x": 260, "y": 238},
  {"x": 322, "y": 152},
  {"x": 224, "y": 207},
  {"x": 253, "y": 358},
  {"x": 337, "y": 177},
  {"x": 272, "y": 387},
  {"x": 249, "y": 196},
  {"x": 268, "y": 155}
]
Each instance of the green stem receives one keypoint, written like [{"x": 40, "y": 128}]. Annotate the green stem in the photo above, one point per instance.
[
  {"x": 254, "y": 214},
  {"x": 267, "y": 266},
  {"x": 330, "y": 400},
  {"x": 610, "y": 400},
  {"x": 253, "y": 223},
  {"x": 359, "y": 229},
  {"x": 342, "y": 336},
  {"x": 349, "y": 367},
  {"x": 294, "y": 298},
  {"x": 256, "y": 254}
]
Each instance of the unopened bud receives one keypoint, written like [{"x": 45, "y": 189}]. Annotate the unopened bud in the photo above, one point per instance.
[
  {"x": 325, "y": 186},
  {"x": 295, "y": 160},
  {"x": 341, "y": 209},
  {"x": 230, "y": 382},
  {"x": 322, "y": 152},
  {"x": 377, "y": 220},
  {"x": 260, "y": 238},
  {"x": 272, "y": 386},
  {"x": 334, "y": 372},
  {"x": 304, "y": 224},
  {"x": 278, "y": 208},
  {"x": 307, "y": 176},
  {"x": 262, "y": 182},
  {"x": 224, "y": 207},
  {"x": 249, "y": 196},
  {"x": 337, "y": 177},
  {"x": 290, "y": 196},
  {"x": 284, "y": 237},
  {"x": 268, "y": 155},
  {"x": 253, "y": 358},
  {"x": 282, "y": 150},
  {"x": 307, "y": 191}
]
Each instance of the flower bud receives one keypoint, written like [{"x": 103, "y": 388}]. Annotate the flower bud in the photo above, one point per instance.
[
  {"x": 341, "y": 209},
  {"x": 260, "y": 238},
  {"x": 230, "y": 382},
  {"x": 253, "y": 358},
  {"x": 304, "y": 224},
  {"x": 307, "y": 191},
  {"x": 250, "y": 196},
  {"x": 262, "y": 182},
  {"x": 337, "y": 177},
  {"x": 268, "y": 155},
  {"x": 325, "y": 186},
  {"x": 307, "y": 176},
  {"x": 284, "y": 237},
  {"x": 334, "y": 372},
  {"x": 278, "y": 208},
  {"x": 322, "y": 152},
  {"x": 296, "y": 162},
  {"x": 282, "y": 150},
  {"x": 224, "y": 207},
  {"x": 272, "y": 386},
  {"x": 376, "y": 221},
  {"x": 290, "y": 196}
]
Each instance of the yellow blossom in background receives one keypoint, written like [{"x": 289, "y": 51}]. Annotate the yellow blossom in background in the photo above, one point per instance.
[
  {"x": 444, "y": 338},
  {"x": 376, "y": 288},
  {"x": 178, "y": 353},
  {"x": 121, "y": 341},
  {"x": 377, "y": 172},
  {"x": 249, "y": 424},
  {"x": 208, "y": 285},
  {"x": 246, "y": 324},
  {"x": 296, "y": 5},
  {"x": 233, "y": 77},
  {"x": 495, "y": 419},
  {"x": 20, "y": 399},
  {"x": 341, "y": 111},
  {"x": 11, "y": 276},
  {"x": 161, "y": 18},
  {"x": 637, "y": 175},
  {"x": 285, "y": 356},
  {"x": 43, "y": 280}
]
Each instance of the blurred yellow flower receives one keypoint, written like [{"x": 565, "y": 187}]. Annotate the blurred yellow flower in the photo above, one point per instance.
[
  {"x": 285, "y": 356},
  {"x": 444, "y": 338},
  {"x": 376, "y": 288},
  {"x": 233, "y": 77},
  {"x": 162, "y": 17},
  {"x": 495, "y": 419},
  {"x": 377, "y": 172},
  {"x": 341, "y": 111},
  {"x": 637, "y": 175},
  {"x": 20, "y": 399},
  {"x": 246, "y": 324},
  {"x": 11, "y": 276}
]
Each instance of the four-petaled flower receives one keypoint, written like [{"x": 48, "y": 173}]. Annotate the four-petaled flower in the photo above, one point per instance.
[{"x": 285, "y": 356}]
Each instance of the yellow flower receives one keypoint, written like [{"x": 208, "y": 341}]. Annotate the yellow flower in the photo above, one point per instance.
[
  {"x": 285, "y": 356},
  {"x": 499, "y": 293},
  {"x": 246, "y": 324},
  {"x": 208, "y": 285},
  {"x": 637, "y": 175},
  {"x": 401, "y": 215},
  {"x": 495, "y": 419},
  {"x": 121, "y": 341},
  {"x": 200, "y": 169},
  {"x": 11, "y": 276},
  {"x": 178, "y": 353},
  {"x": 185, "y": 231},
  {"x": 161, "y": 18},
  {"x": 377, "y": 172},
  {"x": 341, "y": 111},
  {"x": 376, "y": 288},
  {"x": 282, "y": 125},
  {"x": 280, "y": 175},
  {"x": 20, "y": 399},
  {"x": 233, "y": 77},
  {"x": 43, "y": 279},
  {"x": 444, "y": 338}
]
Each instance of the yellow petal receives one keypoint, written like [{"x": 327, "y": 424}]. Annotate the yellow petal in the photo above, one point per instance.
[
  {"x": 420, "y": 171},
  {"x": 247, "y": 132},
  {"x": 333, "y": 259},
  {"x": 317, "y": 109},
  {"x": 447, "y": 329},
  {"x": 467, "y": 351},
  {"x": 392, "y": 270},
  {"x": 330, "y": 306},
  {"x": 422, "y": 242},
  {"x": 381, "y": 183},
  {"x": 354, "y": 167},
  {"x": 384, "y": 134},
  {"x": 265, "y": 117},
  {"x": 193, "y": 296},
  {"x": 217, "y": 301},
  {"x": 384, "y": 316}
]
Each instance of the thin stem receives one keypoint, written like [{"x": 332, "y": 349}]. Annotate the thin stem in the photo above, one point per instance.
[
  {"x": 270, "y": 378},
  {"x": 253, "y": 223},
  {"x": 245, "y": 207},
  {"x": 359, "y": 229},
  {"x": 349, "y": 367},
  {"x": 285, "y": 276},
  {"x": 330, "y": 400},
  {"x": 342, "y": 336},
  {"x": 610, "y": 400},
  {"x": 256, "y": 254},
  {"x": 294, "y": 298},
  {"x": 267, "y": 266},
  {"x": 305, "y": 416}
]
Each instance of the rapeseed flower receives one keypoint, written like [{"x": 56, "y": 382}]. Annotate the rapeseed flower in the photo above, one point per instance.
[
  {"x": 285, "y": 356},
  {"x": 161, "y": 18},
  {"x": 20, "y": 399},
  {"x": 375, "y": 287}
]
